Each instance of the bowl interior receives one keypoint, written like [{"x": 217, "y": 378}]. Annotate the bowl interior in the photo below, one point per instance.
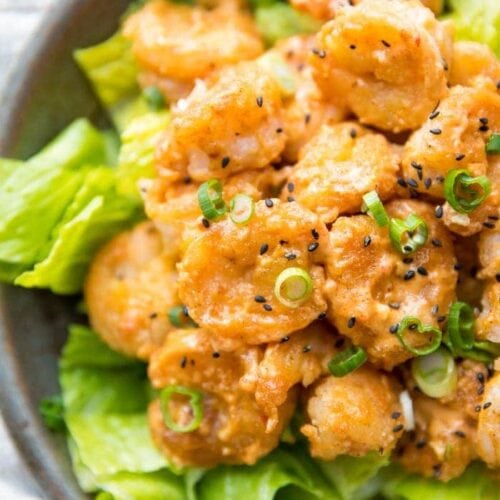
[{"x": 44, "y": 93}]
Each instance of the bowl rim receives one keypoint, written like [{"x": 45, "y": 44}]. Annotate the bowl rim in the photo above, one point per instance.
[{"x": 23, "y": 424}]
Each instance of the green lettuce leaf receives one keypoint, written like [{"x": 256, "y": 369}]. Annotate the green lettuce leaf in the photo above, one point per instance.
[
  {"x": 136, "y": 158},
  {"x": 477, "y": 20},
  {"x": 280, "y": 20},
  {"x": 7, "y": 167}
]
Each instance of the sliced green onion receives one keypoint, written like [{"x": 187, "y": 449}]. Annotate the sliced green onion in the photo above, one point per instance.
[
  {"x": 407, "y": 236},
  {"x": 436, "y": 373},
  {"x": 347, "y": 361},
  {"x": 293, "y": 286},
  {"x": 154, "y": 98},
  {"x": 178, "y": 318},
  {"x": 493, "y": 144},
  {"x": 373, "y": 205},
  {"x": 483, "y": 351},
  {"x": 195, "y": 402},
  {"x": 465, "y": 193},
  {"x": 241, "y": 208},
  {"x": 51, "y": 410},
  {"x": 210, "y": 199},
  {"x": 414, "y": 324},
  {"x": 461, "y": 326}
]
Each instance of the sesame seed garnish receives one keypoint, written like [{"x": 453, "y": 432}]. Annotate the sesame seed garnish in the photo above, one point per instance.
[
  {"x": 267, "y": 307},
  {"x": 269, "y": 203},
  {"x": 290, "y": 199},
  {"x": 497, "y": 277},
  {"x": 493, "y": 217},
  {"x": 435, "y": 131},
  {"x": 395, "y": 415},
  {"x": 489, "y": 225},
  {"x": 422, "y": 271},
  {"x": 484, "y": 120},
  {"x": 339, "y": 343},
  {"x": 440, "y": 319},
  {"x": 408, "y": 260},
  {"x": 428, "y": 183},
  {"x": 313, "y": 246},
  {"x": 416, "y": 165},
  {"x": 284, "y": 339},
  {"x": 205, "y": 222},
  {"x": 315, "y": 234},
  {"x": 420, "y": 444},
  {"x": 477, "y": 408},
  {"x": 435, "y": 309},
  {"x": 366, "y": 241},
  {"x": 353, "y": 133},
  {"x": 480, "y": 391},
  {"x": 306, "y": 348},
  {"x": 480, "y": 377},
  {"x": 260, "y": 101},
  {"x": 484, "y": 128},
  {"x": 225, "y": 161},
  {"x": 460, "y": 434},
  {"x": 394, "y": 305},
  {"x": 402, "y": 182},
  {"x": 322, "y": 315},
  {"x": 260, "y": 299},
  {"x": 439, "y": 178},
  {"x": 459, "y": 157},
  {"x": 263, "y": 248},
  {"x": 436, "y": 243},
  {"x": 407, "y": 248},
  {"x": 290, "y": 256},
  {"x": 307, "y": 118},
  {"x": 398, "y": 428},
  {"x": 215, "y": 355},
  {"x": 279, "y": 130},
  {"x": 153, "y": 315},
  {"x": 283, "y": 242},
  {"x": 320, "y": 53},
  {"x": 434, "y": 114},
  {"x": 384, "y": 42},
  {"x": 437, "y": 469},
  {"x": 412, "y": 182},
  {"x": 290, "y": 186},
  {"x": 351, "y": 322},
  {"x": 183, "y": 362},
  {"x": 186, "y": 179},
  {"x": 438, "y": 212},
  {"x": 394, "y": 328},
  {"x": 185, "y": 311},
  {"x": 409, "y": 275},
  {"x": 486, "y": 405},
  {"x": 458, "y": 266},
  {"x": 352, "y": 46}
]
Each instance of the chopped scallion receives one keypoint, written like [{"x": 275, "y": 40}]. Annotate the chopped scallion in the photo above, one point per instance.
[
  {"x": 293, "y": 286},
  {"x": 154, "y": 98},
  {"x": 241, "y": 208},
  {"x": 461, "y": 326},
  {"x": 465, "y": 193},
  {"x": 493, "y": 145},
  {"x": 373, "y": 205},
  {"x": 415, "y": 326},
  {"x": 347, "y": 361},
  {"x": 195, "y": 402},
  {"x": 435, "y": 373},
  {"x": 408, "y": 235},
  {"x": 210, "y": 199}
]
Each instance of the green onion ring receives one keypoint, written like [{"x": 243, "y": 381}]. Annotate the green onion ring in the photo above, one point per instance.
[
  {"x": 241, "y": 208},
  {"x": 373, "y": 205},
  {"x": 293, "y": 286},
  {"x": 493, "y": 145},
  {"x": 435, "y": 373},
  {"x": 407, "y": 236},
  {"x": 436, "y": 335},
  {"x": 154, "y": 98},
  {"x": 210, "y": 199},
  {"x": 461, "y": 326},
  {"x": 178, "y": 318},
  {"x": 195, "y": 402},
  {"x": 468, "y": 198},
  {"x": 347, "y": 361}
]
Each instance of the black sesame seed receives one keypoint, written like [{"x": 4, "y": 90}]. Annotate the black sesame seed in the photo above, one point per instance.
[
  {"x": 353, "y": 133},
  {"x": 225, "y": 161},
  {"x": 497, "y": 277},
  {"x": 484, "y": 128},
  {"x": 315, "y": 234},
  {"x": 480, "y": 391},
  {"x": 290, "y": 199},
  {"x": 260, "y": 101},
  {"x": 438, "y": 212},
  {"x": 351, "y": 322},
  {"x": 407, "y": 248},
  {"x": 284, "y": 339},
  {"x": 440, "y": 319},
  {"x": 394, "y": 328},
  {"x": 402, "y": 182},
  {"x": 186, "y": 179},
  {"x": 394, "y": 305},
  {"x": 477, "y": 408},
  {"x": 480, "y": 377},
  {"x": 185, "y": 311},
  {"x": 320, "y": 53},
  {"x": 267, "y": 307},
  {"x": 493, "y": 217},
  {"x": 434, "y": 114},
  {"x": 486, "y": 405},
  {"x": 205, "y": 223},
  {"x": 422, "y": 271},
  {"x": 352, "y": 46},
  {"x": 408, "y": 260},
  {"x": 313, "y": 246},
  {"x": 290, "y": 256},
  {"x": 387, "y": 44},
  {"x": 339, "y": 343},
  {"x": 428, "y": 183},
  {"x": 412, "y": 183},
  {"x": 366, "y": 241},
  {"x": 413, "y": 326},
  {"x": 489, "y": 225},
  {"x": 409, "y": 275},
  {"x": 484, "y": 120},
  {"x": 439, "y": 178},
  {"x": 416, "y": 165},
  {"x": 263, "y": 248},
  {"x": 395, "y": 415},
  {"x": 283, "y": 242},
  {"x": 153, "y": 315},
  {"x": 420, "y": 444},
  {"x": 260, "y": 299},
  {"x": 215, "y": 355},
  {"x": 398, "y": 428},
  {"x": 269, "y": 203},
  {"x": 436, "y": 131},
  {"x": 458, "y": 266},
  {"x": 435, "y": 309},
  {"x": 183, "y": 362},
  {"x": 459, "y": 157},
  {"x": 290, "y": 186},
  {"x": 306, "y": 348},
  {"x": 460, "y": 434},
  {"x": 322, "y": 315},
  {"x": 279, "y": 130},
  {"x": 436, "y": 243},
  {"x": 437, "y": 469},
  {"x": 307, "y": 118}
]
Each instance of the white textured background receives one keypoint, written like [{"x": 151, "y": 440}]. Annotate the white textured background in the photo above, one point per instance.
[{"x": 18, "y": 20}]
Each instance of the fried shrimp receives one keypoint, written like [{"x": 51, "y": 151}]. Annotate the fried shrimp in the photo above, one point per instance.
[
  {"x": 488, "y": 437},
  {"x": 130, "y": 287},
  {"x": 454, "y": 137},
  {"x": 233, "y": 427},
  {"x": 232, "y": 125},
  {"x": 353, "y": 415},
  {"x": 341, "y": 164},
  {"x": 370, "y": 286},
  {"x": 386, "y": 61},
  {"x": 177, "y": 44},
  {"x": 488, "y": 322},
  {"x": 299, "y": 359},
  {"x": 228, "y": 275}
]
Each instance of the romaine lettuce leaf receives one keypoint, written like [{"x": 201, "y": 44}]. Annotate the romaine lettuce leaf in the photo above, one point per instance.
[
  {"x": 477, "y": 20},
  {"x": 7, "y": 166}
]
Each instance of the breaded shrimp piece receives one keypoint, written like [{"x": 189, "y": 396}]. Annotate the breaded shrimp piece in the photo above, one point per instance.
[
  {"x": 130, "y": 287},
  {"x": 371, "y": 286},
  {"x": 485, "y": 217},
  {"x": 353, "y": 415},
  {"x": 488, "y": 321},
  {"x": 228, "y": 273},
  {"x": 474, "y": 64},
  {"x": 341, "y": 164},
  {"x": 299, "y": 359},
  {"x": 305, "y": 110},
  {"x": 385, "y": 61},
  {"x": 179, "y": 43},
  {"x": 452, "y": 138},
  {"x": 489, "y": 253},
  {"x": 233, "y": 125},
  {"x": 233, "y": 429},
  {"x": 488, "y": 434}
]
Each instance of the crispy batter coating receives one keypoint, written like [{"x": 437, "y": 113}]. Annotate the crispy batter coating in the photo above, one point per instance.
[
  {"x": 129, "y": 289},
  {"x": 488, "y": 322},
  {"x": 474, "y": 64},
  {"x": 175, "y": 44},
  {"x": 385, "y": 61},
  {"x": 323, "y": 10},
  {"x": 233, "y": 429},
  {"x": 488, "y": 435},
  {"x": 227, "y": 266},
  {"x": 453, "y": 139},
  {"x": 371, "y": 283},
  {"x": 489, "y": 253},
  {"x": 341, "y": 164},
  {"x": 237, "y": 117},
  {"x": 352, "y": 415}
]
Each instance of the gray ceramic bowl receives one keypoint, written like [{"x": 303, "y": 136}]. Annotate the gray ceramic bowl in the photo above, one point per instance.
[{"x": 44, "y": 93}]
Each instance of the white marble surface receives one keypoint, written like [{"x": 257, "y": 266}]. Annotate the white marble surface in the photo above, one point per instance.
[{"x": 18, "y": 20}]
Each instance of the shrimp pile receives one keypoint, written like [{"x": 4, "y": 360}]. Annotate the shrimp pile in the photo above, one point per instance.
[{"x": 323, "y": 223}]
